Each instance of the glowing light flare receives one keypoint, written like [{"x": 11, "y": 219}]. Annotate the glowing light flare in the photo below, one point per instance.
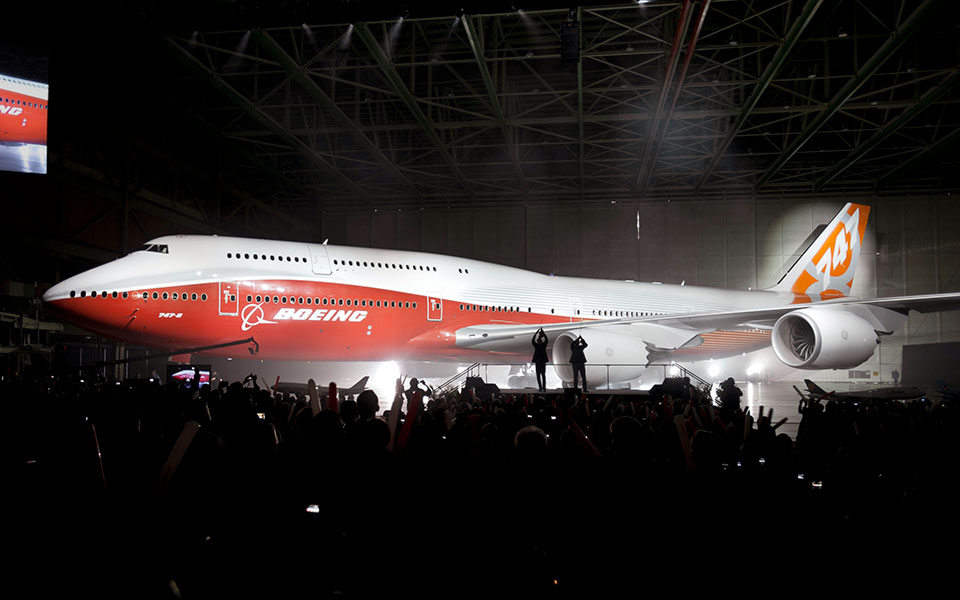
[
  {"x": 383, "y": 382},
  {"x": 754, "y": 368}
]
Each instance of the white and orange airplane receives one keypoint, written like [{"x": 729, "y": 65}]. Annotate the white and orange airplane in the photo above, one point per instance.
[
  {"x": 23, "y": 111},
  {"x": 303, "y": 301}
]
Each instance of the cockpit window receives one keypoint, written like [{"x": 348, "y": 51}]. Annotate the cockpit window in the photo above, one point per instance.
[{"x": 159, "y": 248}]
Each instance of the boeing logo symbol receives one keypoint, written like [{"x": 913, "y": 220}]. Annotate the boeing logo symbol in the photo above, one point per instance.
[{"x": 251, "y": 316}]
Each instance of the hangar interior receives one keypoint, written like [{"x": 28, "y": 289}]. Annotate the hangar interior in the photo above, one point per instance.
[{"x": 669, "y": 140}]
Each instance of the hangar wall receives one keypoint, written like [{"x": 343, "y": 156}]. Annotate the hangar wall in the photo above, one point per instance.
[{"x": 911, "y": 246}]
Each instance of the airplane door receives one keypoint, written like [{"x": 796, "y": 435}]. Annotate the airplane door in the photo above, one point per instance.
[
  {"x": 434, "y": 309},
  {"x": 320, "y": 260},
  {"x": 229, "y": 298}
]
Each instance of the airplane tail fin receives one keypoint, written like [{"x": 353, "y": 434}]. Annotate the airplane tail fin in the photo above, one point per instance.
[
  {"x": 814, "y": 388},
  {"x": 357, "y": 387},
  {"x": 827, "y": 267}
]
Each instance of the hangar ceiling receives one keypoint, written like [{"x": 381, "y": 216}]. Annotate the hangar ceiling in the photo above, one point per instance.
[
  {"x": 671, "y": 98},
  {"x": 255, "y": 118}
]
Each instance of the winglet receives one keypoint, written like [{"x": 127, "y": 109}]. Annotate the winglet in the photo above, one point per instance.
[{"x": 827, "y": 267}]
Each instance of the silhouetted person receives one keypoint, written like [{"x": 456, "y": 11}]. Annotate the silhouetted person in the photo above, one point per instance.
[
  {"x": 540, "y": 358},
  {"x": 415, "y": 386},
  {"x": 578, "y": 361},
  {"x": 729, "y": 395},
  {"x": 367, "y": 405}
]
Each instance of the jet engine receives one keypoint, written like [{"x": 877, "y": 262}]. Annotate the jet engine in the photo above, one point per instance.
[
  {"x": 818, "y": 338},
  {"x": 611, "y": 357}
]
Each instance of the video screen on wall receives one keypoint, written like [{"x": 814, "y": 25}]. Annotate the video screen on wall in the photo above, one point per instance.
[{"x": 23, "y": 117}]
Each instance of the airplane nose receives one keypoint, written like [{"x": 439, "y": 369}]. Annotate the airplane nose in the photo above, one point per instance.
[{"x": 55, "y": 292}]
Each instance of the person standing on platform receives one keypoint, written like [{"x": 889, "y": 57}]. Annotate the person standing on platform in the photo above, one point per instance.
[
  {"x": 578, "y": 360},
  {"x": 540, "y": 358}
]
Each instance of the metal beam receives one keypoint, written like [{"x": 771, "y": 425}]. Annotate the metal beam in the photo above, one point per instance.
[
  {"x": 893, "y": 43},
  {"x": 580, "y": 105},
  {"x": 264, "y": 119},
  {"x": 685, "y": 15},
  {"x": 474, "y": 42},
  {"x": 931, "y": 96},
  {"x": 298, "y": 73},
  {"x": 658, "y": 139},
  {"x": 922, "y": 157},
  {"x": 396, "y": 83},
  {"x": 789, "y": 43}
]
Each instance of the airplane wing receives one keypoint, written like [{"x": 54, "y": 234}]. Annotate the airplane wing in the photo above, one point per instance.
[{"x": 671, "y": 332}]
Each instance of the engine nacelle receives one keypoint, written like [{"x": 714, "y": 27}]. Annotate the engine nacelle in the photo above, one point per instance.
[
  {"x": 611, "y": 357},
  {"x": 821, "y": 338}
]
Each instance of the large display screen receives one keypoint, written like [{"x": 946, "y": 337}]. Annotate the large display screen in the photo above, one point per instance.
[
  {"x": 187, "y": 373},
  {"x": 23, "y": 125}
]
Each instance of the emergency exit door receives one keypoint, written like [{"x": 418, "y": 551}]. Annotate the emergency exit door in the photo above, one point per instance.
[
  {"x": 229, "y": 297},
  {"x": 434, "y": 309}
]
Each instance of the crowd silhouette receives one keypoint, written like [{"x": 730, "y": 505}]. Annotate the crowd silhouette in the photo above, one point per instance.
[{"x": 233, "y": 490}]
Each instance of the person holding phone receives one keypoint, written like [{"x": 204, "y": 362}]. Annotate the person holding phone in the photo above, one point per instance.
[{"x": 578, "y": 360}]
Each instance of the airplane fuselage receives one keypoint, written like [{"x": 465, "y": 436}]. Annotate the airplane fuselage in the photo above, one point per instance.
[{"x": 304, "y": 301}]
